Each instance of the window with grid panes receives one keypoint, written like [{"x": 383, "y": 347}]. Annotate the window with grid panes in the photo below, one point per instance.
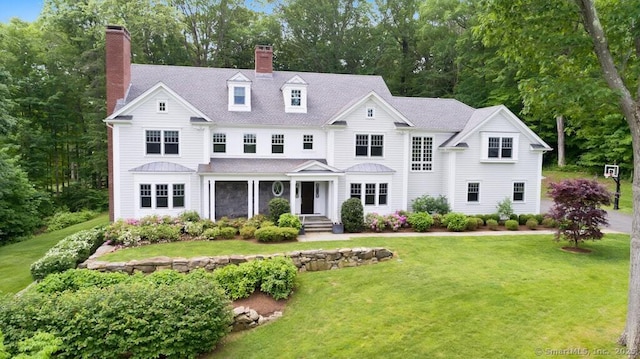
[
  {"x": 162, "y": 196},
  {"x": 145, "y": 195},
  {"x": 356, "y": 190},
  {"x": 370, "y": 194},
  {"x": 277, "y": 143},
  {"x": 307, "y": 142},
  {"x": 178, "y": 195},
  {"x": 219, "y": 143},
  {"x": 249, "y": 143},
  {"x": 518, "y": 191},
  {"x": 473, "y": 192},
  {"x": 422, "y": 153}
]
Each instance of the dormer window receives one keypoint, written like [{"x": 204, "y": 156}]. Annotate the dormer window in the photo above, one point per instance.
[
  {"x": 238, "y": 95},
  {"x": 294, "y": 93},
  {"x": 239, "y": 87},
  {"x": 296, "y": 97},
  {"x": 499, "y": 147}
]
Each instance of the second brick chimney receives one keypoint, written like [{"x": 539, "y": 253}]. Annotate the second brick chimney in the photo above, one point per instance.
[
  {"x": 118, "y": 78},
  {"x": 264, "y": 61}
]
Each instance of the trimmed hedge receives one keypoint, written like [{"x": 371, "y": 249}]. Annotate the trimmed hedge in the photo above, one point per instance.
[
  {"x": 456, "y": 222},
  {"x": 275, "y": 276},
  {"x": 511, "y": 225},
  {"x": 141, "y": 318},
  {"x": 275, "y": 234},
  {"x": 68, "y": 253}
]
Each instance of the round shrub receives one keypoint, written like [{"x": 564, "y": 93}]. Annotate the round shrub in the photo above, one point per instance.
[
  {"x": 237, "y": 281},
  {"x": 278, "y": 277},
  {"x": 247, "y": 232},
  {"x": 532, "y": 223},
  {"x": 289, "y": 220},
  {"x": 511, "y": 225},
  {"x": 189, "y": 216},
  {"x": 456, "y": 222},
  {"x": 352, "y": 215},
  {"x": 275, "y": 234},
  {"x": 479, "y": 221},
  {"x": 193, "y": 228},
  {"x": 228, "y": 232},
  {"x": 277, "y": 207},
  {"x": 137, "y": 319},
  {"x": 437, "y": 220},
  {"x": 492, "y": 224},
  {"x": 420, "y": 221},
  {"x": 549, "y": 222},
  {"x": 523, "y": 218},
  {"x": 374, "y": 222},
  {"x": 211, "y": 233},
  {"x": 472, "y": 224}
]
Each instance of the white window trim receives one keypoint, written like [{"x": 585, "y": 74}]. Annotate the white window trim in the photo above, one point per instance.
[
  {"x": 363, "y": 193},
  {"x": 246, "y": 107},
  {"x": 166, "y": 106},
  {"x": 373, "y": 112},
  {"x": 466, "y": 193},
  {"x": 303, "y": 142},
  {"x": 411, "y": 162},
  {"x": 287, "y": 90},
  {"x": 255, "y": 136},
  {"x": 154, "y": 194},
  {"x": 369, "y": 142},
  {"x": 276, "y": 143},
  {"x": 162, "y": 154},
  {"x": 275, "y": 185},
  {"x": 524, "y": 193},
  {"x": 485, "y": 147},
  {"x": 213, "y": 142}
]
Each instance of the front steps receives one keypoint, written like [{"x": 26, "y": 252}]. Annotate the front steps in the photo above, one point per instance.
[{"x": 316, "y": 223}]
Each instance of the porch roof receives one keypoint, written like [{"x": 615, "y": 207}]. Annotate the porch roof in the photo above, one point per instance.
[{"x": 254, "y": 165}]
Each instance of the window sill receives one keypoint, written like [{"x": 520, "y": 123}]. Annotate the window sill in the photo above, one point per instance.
[{"x": 498, "y": 160}]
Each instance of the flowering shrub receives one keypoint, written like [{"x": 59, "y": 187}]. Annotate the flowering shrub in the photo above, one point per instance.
[
  {"x": 375, "y": 222},
  {"x": 396, "y": 221}
]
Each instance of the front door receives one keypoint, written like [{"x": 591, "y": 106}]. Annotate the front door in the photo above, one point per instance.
[{"x": 307, "y": 196}]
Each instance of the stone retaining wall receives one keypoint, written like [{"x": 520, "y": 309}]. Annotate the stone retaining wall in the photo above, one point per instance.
[{"x": 309, "y": 260}]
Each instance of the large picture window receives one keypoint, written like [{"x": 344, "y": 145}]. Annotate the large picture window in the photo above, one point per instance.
[{"x": 422, "y": 153}]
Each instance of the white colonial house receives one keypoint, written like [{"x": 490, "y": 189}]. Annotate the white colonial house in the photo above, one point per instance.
[{"x": 224, "y": 142}]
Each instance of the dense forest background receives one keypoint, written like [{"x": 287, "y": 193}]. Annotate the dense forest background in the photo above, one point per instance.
[{"x": 531, "y": 55}]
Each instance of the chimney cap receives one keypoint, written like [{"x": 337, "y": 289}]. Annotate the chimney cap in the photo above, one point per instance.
[
  {"x": 264, "y": 48},
  {"x": 118, "y": 28}
]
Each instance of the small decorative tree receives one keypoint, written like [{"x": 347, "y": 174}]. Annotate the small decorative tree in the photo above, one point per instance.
[
  {"x": 504, "y": 208},
  {"x": 577, "y": 209}
]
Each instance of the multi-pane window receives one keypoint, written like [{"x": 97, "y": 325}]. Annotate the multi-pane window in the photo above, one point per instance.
[
  {"x": 219, "y": 143},
  {"x": 370, "y": 194},
  {"x": 162, "y": 106},
  {"x": 162, "y": 142},
  {"x": 249, "y": 143},
  {"x": 145, "y": 195},
  {"x": 178, "y": 195},
  {"x": 518, "y": 191},
  {"x": 369, "y": 145},
  {"x": 473, "y": 192},
  {"x": 422, "y": 153},
  {"x": 500, "y": 147},
  {"x": 382, "y": 193},
  {"x": 162, "y": 196},
  {"x": 238, "y": 95},
  {"x": 171, "y": 142},
  {"x": 371, "y": 112},
  {"x": 277, "y": 143},
  {"x": 356, "y": 190},
  {"x": 307, "y": 142},
  {"x": 296, "y": 95}
]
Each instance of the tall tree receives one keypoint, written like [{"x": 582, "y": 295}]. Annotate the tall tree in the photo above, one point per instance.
[{"x": 630, "y": 106}]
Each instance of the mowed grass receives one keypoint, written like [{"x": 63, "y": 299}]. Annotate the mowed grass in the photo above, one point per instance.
[
  {"x": 441, "y": 297},
  {"x": 626, "y": 196},
  {"x": 16, "y": 259}
]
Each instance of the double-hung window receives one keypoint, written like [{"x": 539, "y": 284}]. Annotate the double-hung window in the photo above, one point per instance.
[
  {"x": 238, "y": 95},
  {"x": 375, "y": 194},
  {"x": 277, "y": 143},
  {"x": 159, "y": 195},
  {"x": 382, "y": 193},
  {"x": 145, "y": 196},
  {"x": 219, "y": 143},
  {"x": 422, "y": 153},
  {"x": 307, "y": 142},
  {"x": 296, "y": 96},
  {"x": 249, "y": 143},
  {"x": 473, "y": 192},
  {"x": 162, "y": 142},
  {"x": 369, "y": 145},
  {"x": 178, "y": 195},
  {"x": 356, "y": 190},
  {"x": 518, "y": 191},
  {"x": 500, "y": 147},
  {"x": 162, "y": 196},
  {"x": 370, "y": 194}
]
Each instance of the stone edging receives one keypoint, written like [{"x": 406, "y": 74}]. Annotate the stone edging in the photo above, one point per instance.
[{"x": 308, "y": 260}]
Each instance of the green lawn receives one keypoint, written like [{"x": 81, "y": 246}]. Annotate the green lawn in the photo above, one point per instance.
[
  {"x": 626, "y": 198},
  {"x": 15, "y": 259},
  {"x": 442, "y": 297}
]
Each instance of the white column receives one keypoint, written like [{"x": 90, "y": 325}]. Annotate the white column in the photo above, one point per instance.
[
  {"x": 335, "y": 205},
  {"x": 405, "y": 173},
  {"x": 249, "y": 199},
  {"x": 212, "y": 202},
  {"x": 292, "y": 195},
  {"x": 256, "y": 197},
  {"x": 208, "y": 145}
]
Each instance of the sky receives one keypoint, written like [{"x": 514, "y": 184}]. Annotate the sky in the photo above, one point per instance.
[{"x": 27, "y": 10}]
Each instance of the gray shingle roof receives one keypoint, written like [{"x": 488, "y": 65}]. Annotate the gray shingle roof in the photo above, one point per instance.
[
  {"x": 476, "y": 119},
  {"x": 369, "y": 168},
  {"x": 161, "y": 167},
  {"x": 206, "y": 89},
  {"x": 253, "y": 165},
  {"x": 434, "y": 113}
]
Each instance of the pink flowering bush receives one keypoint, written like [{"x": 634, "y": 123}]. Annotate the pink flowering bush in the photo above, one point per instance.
[
  {"x": 396, "y": 221},
  {"x": 375, "y": 222}
]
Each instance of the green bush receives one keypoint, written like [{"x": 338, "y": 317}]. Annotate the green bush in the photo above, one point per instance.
[
  {"x": 492, "y": 224},
  {"x": 247, "y": 231},
  {"x": 275, "y": 276},
  {"x": 289, "y": 220},
  {"x": 549, "y": 222},
  {"x": 504, "y": 209},
  {"x": 62, "y": 220},
  {"x": 511, "y": 225},
  {"x": 472, "y": 224},
  {"x": 189, "y": 216},
  {"x": 266, "y": 223},
  {"x": 455, "y": 221},
  {"x": 437, "y": 220},
  {"x": 211, "y": 233},
  {"x": 228, "y": 232},
  {"x": 75, "y": 279},
  {"x": 276, "y": 234},
  {"x": 194, "y": 228},
  {"x": 514, "y": 217},
  {"x": 78, "y": 196},
  {"x": 539, "y": 217},
  {"x": 375, "y": 222},
  {"x": 238, "y": 281},
  {"x": 431, "y": 205},
  {"x": 278, "y": 277},
  {"x": 352, "y": 215},
  {"x": 137, "y": 319},
  {"x": 523, "y": 218},
  {"x": 162, "y": 232},
  {"x": 68, "y": 253},
  {"x": 494, "y": 216},
  {"x": 532, "y": 223},
  {"x": 256, "y": 220},
  {"x": 277, "y": 207},
  {"x": 420, "y": 221},
  {"x": 479, "y": 221}
]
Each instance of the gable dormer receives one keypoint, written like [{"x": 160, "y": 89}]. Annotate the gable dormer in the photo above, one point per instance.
[
  {"x": 294, "y": 94},
  {"x": 239, "y": 89}
]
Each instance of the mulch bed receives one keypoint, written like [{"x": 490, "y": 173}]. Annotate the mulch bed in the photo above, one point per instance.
[{"x": 261, "y": 303}]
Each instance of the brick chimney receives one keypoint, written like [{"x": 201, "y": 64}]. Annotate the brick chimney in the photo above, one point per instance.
[
  {"x": 118, "y": 78},
  {"x": 264, "y": 61}
]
